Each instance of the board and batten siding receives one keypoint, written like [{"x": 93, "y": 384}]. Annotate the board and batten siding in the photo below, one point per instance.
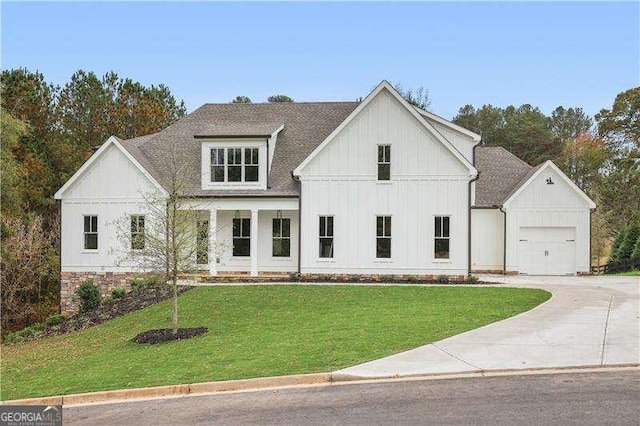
[
  {"x": 543, "y": 205},
  {"x": 426, "y": 181},
  {"x": 487, "y": 240},
  {"x": 111, "y": 188}
]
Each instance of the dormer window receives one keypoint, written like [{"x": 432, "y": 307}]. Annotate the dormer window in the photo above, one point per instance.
[{"x": 235, "y": 165}]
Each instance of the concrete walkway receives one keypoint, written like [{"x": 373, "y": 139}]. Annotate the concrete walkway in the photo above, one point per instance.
[{"x": 588, "y": 321}]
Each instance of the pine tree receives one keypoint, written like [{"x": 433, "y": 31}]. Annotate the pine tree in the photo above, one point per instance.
[
  {"x": 627, "y": 245},
  {"x": 615, "y": 248}
]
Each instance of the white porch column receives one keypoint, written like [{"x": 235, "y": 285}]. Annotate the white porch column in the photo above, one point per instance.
[
  {"x": 213, "y": 228},
  {"x": 254, "y": 242}
]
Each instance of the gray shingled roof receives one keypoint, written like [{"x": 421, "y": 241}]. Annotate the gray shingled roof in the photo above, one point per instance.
[
  {"x": 501, "y": 174},
  {"x": 306, "y": 125}
]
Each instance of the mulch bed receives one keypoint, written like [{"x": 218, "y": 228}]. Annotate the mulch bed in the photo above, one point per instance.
[
  {"x": 166, "y": 335},
  {"x": 110, "y": 309}
]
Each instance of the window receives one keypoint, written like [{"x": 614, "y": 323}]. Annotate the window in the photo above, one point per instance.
[
  {"x": 217, "y": 165},
  {"x": 91, "y": 232},
  {"x": 326, "y": 236},
  {"x": 384, "y": 162},
  {"x": 383, "y": 237},
  {"x": 137, "y": 232},
  {"x": 235, "y": 165},
  {"x": 281, "y": 237},
  {"x": 441, "y": 237},
  {"x": 202, "y": 242},
  {"x": 251, "y": 164},
  {"x": 241, "y": 237}
]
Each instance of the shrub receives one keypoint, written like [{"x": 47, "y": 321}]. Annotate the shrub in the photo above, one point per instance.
[
  {"x": 24, "y": 334},
  {"x": 138, "y": 283},
  {"x": 472, "y": 279},
  {"x": 636, "y": 250},
  {"x": 53, "y": 320},
  {"x": 89, "y": 295},
  {"x": 294, "y": 277},
  {"x": 413, "y": 279},
  {"x": 117, "y": 293},
  {"x": 443, "y": 279}
]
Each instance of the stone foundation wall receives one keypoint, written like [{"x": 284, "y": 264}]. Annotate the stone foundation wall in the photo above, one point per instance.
[
  {"x": 335, "y": 278},
  {"x": 70, "y": 281}
]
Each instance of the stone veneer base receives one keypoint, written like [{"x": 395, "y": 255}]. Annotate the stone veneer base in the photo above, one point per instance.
[{"x": 70, "y": 281}]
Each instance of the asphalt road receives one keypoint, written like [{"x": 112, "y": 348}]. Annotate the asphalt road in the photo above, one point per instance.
[{"x": 574, "y": 398}]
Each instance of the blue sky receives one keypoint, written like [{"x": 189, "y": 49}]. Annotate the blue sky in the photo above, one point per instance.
[{"x": 571, "y": 54}]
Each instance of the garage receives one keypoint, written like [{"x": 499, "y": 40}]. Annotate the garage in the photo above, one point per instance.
[{"x": 547, "y": 250}]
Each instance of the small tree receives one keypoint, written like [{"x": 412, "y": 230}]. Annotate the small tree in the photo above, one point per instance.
[
  {"x": 165, "y": 242},
  {"x": 629, "y": 242},
  {"x": 636, "y": 250},
  {"x": 614, "y": 256}
]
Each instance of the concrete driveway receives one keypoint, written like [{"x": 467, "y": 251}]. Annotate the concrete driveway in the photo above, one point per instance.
[{"x": 589, "y": 321}]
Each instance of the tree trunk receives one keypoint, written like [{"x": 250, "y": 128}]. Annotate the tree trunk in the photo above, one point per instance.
[{"x": 175, "y": 304}]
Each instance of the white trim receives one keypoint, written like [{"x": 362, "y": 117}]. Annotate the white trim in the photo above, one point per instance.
[
  {"x": 384, "y": 85},
  {"x": 476, "y": 137},
  {"x": 111, "y": 140},
  {"x": 564, "y": 177}
]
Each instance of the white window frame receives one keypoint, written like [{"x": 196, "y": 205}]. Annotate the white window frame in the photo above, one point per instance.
[
  {"x": 384, "y": 235},
  {"x": 280, "y": 237},
  {"x": 441, "y": 237},
  {"x": 386, "y": 160},
  {"x": 138, "y": 230},
  {"x": 91, "y": 231},
  {"x": 326, "y": 236},
  {"x": 245, "y": 145}
]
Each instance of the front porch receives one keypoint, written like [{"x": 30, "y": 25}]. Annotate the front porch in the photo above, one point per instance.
[{"x": 250, "y": 237}]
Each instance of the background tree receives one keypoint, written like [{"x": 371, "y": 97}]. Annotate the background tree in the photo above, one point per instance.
[
  {"x": 620, "y": 125},
  {"x": 418, "y": 97},
  {"x": 241, "y": 100},
  {"x": 582, "y": 159},
  {"x": 279, "y": 98},
  {"x": 569, "y": 123},
  {"x": 629, "y": 242}
]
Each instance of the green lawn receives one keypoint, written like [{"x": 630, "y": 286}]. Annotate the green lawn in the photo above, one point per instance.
[
  {"x": 255, "y": 331},
  {"x": 632, "y": 273}
]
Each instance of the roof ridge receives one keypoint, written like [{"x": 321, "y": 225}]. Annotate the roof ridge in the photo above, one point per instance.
[{"x": 279, "y": 103}]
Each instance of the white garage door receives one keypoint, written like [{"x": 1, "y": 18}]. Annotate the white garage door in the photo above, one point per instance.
[{"x": 547, "y": 251}]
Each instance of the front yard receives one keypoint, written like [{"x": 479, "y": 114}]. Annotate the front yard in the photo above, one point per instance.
[{"x": 255, "y": 331}]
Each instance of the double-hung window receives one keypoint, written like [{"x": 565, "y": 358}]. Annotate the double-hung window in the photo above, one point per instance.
[
  {"x": 217, "y": 165},
  {"x": 235, "y": 165},
  {"x": 281, "y": 246},
  {"x": 241, "y": 237},
  {"x": 251, "y": 164},
  {"x": 326, "y": 237},
  {"x": 91, "y": 232},
  {"x": 383, "y": 237},
  {"x": 137, "y": 232},
  {"x": 384, "y": 162},
  {"x": 202, "y": 242},
  {"x": 441, "y": 237}
]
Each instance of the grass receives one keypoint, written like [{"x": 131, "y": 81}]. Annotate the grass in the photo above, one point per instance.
[
  {"x": 255, "y": 331},
  {"x": 632, "y": 273}
]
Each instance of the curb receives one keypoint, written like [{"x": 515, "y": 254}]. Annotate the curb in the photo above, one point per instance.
[{"x": 290, "y": 381}]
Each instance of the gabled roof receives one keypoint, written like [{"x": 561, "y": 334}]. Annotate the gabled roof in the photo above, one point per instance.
[
  {"x": 384, "y": 85},
  {"x": 145, "y": 169},
  {"x": 501, "y": 173},
  {"x": 531, "y": 176},
  {"x": 306, "y": 124},
  {"x": 503, "y": 176}
]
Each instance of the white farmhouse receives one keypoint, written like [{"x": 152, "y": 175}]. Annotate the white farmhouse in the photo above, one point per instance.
[{"x": 377, "y": 187}]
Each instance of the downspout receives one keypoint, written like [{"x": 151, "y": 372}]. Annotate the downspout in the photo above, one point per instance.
[
  {"x": 297, "y": 179},
  {"x": 473, "y": 161},
  {"x": 504, "y": 242},
  {"x": 268, "y": 167},
  {"x": 591, "y": 239},
  {"x": 59, "y": 202}
]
